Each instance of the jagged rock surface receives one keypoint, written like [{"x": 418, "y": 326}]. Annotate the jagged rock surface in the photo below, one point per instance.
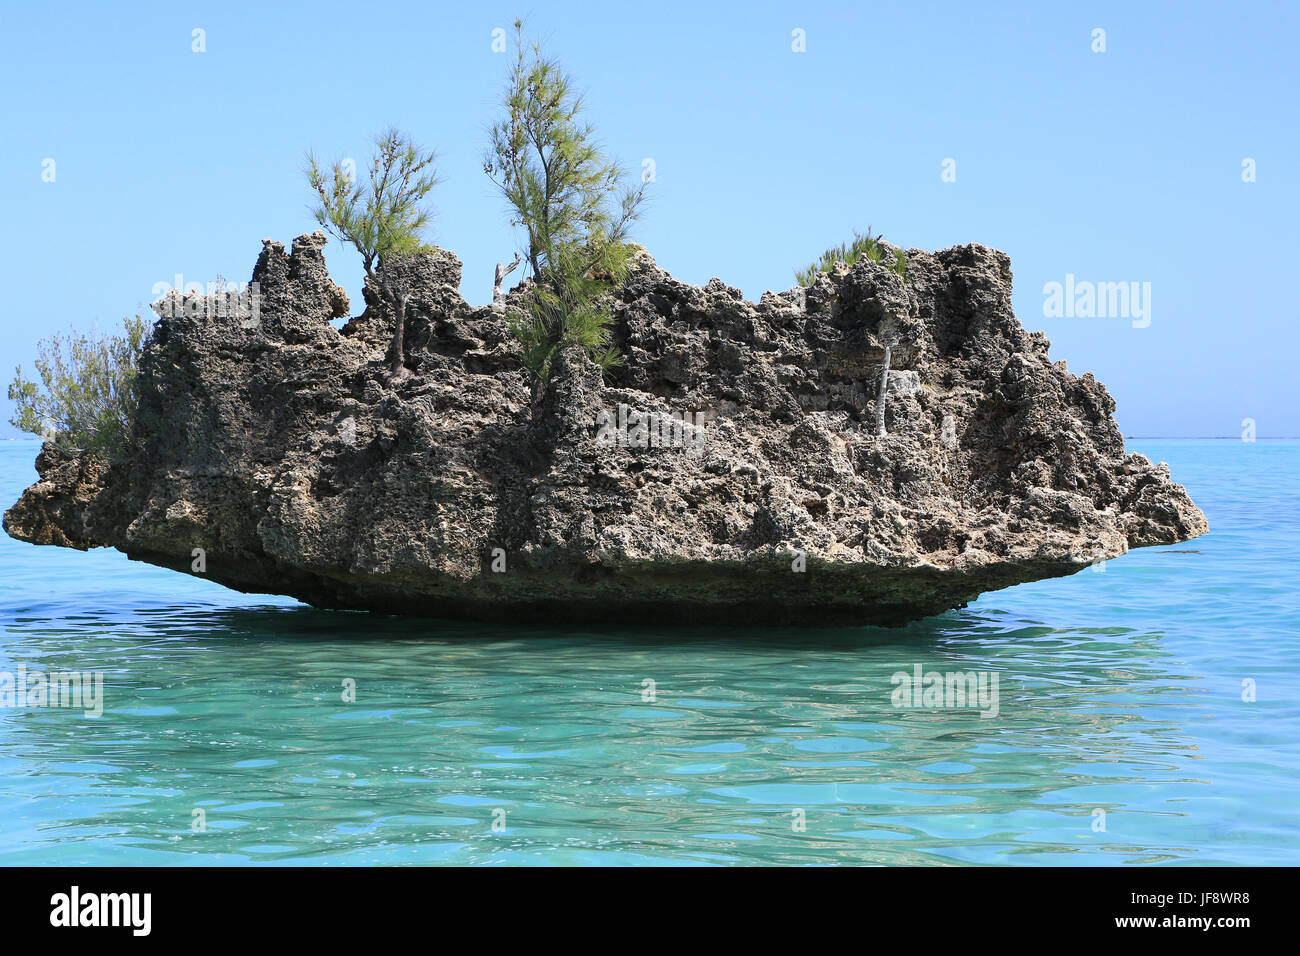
[{"x": 280, "y": 452}]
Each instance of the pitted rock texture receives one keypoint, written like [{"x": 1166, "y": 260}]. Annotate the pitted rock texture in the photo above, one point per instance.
[{"x": 281, "y": 452}]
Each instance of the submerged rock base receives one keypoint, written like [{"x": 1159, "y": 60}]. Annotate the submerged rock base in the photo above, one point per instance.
[{"x": 731, "y": 471}]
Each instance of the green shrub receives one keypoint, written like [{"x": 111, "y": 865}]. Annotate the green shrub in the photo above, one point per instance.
[
  {"x": 382, "y": 219},
  {"x": 87, "y": 397},
  {"x": 565, "y": 193},
  {"x": 862, "y": 247}
]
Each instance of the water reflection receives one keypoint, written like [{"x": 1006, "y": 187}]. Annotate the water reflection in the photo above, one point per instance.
[{"x": 239, "y": 713}]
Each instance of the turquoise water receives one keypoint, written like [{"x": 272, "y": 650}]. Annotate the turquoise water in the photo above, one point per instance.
[{"x": 1119, "y": 691}]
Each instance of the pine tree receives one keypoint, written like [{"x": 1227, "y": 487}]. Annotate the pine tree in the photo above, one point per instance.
[
  {"x": 382, "y": 219},
  {"x": 565, "y": 194}
]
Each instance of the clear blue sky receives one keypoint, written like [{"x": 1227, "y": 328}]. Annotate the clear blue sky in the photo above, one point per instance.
[{"x": 1122, "y": 166}]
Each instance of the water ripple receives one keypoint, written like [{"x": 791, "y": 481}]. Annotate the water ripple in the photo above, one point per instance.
[{"x": 1121, "y": 735}]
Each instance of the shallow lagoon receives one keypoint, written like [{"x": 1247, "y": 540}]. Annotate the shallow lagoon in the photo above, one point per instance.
[{"x": 1121, "y": 733}]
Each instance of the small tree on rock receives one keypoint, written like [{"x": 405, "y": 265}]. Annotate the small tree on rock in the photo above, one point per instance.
[
  {"x": 88, "y": 394},
  {"x": 565, "y": 193},
  {"x": 381, "y": 219}
]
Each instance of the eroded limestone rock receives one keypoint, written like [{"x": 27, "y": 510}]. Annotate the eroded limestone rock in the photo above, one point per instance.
[{"x": 281, "y": 452}]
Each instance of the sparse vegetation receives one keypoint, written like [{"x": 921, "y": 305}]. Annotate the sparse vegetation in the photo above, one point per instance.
[
  {"x": 863, "y": 246},
  {"x": 87, "y": 396},
  {"x": 381, "y": 219},
  {"x": 566, "y": 195}
]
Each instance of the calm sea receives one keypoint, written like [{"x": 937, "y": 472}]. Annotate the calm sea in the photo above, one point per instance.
[{"x": 1147, "y": 712}]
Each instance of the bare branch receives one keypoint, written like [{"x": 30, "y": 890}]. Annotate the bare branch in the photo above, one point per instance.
[{"x": 502, "y": 272}]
